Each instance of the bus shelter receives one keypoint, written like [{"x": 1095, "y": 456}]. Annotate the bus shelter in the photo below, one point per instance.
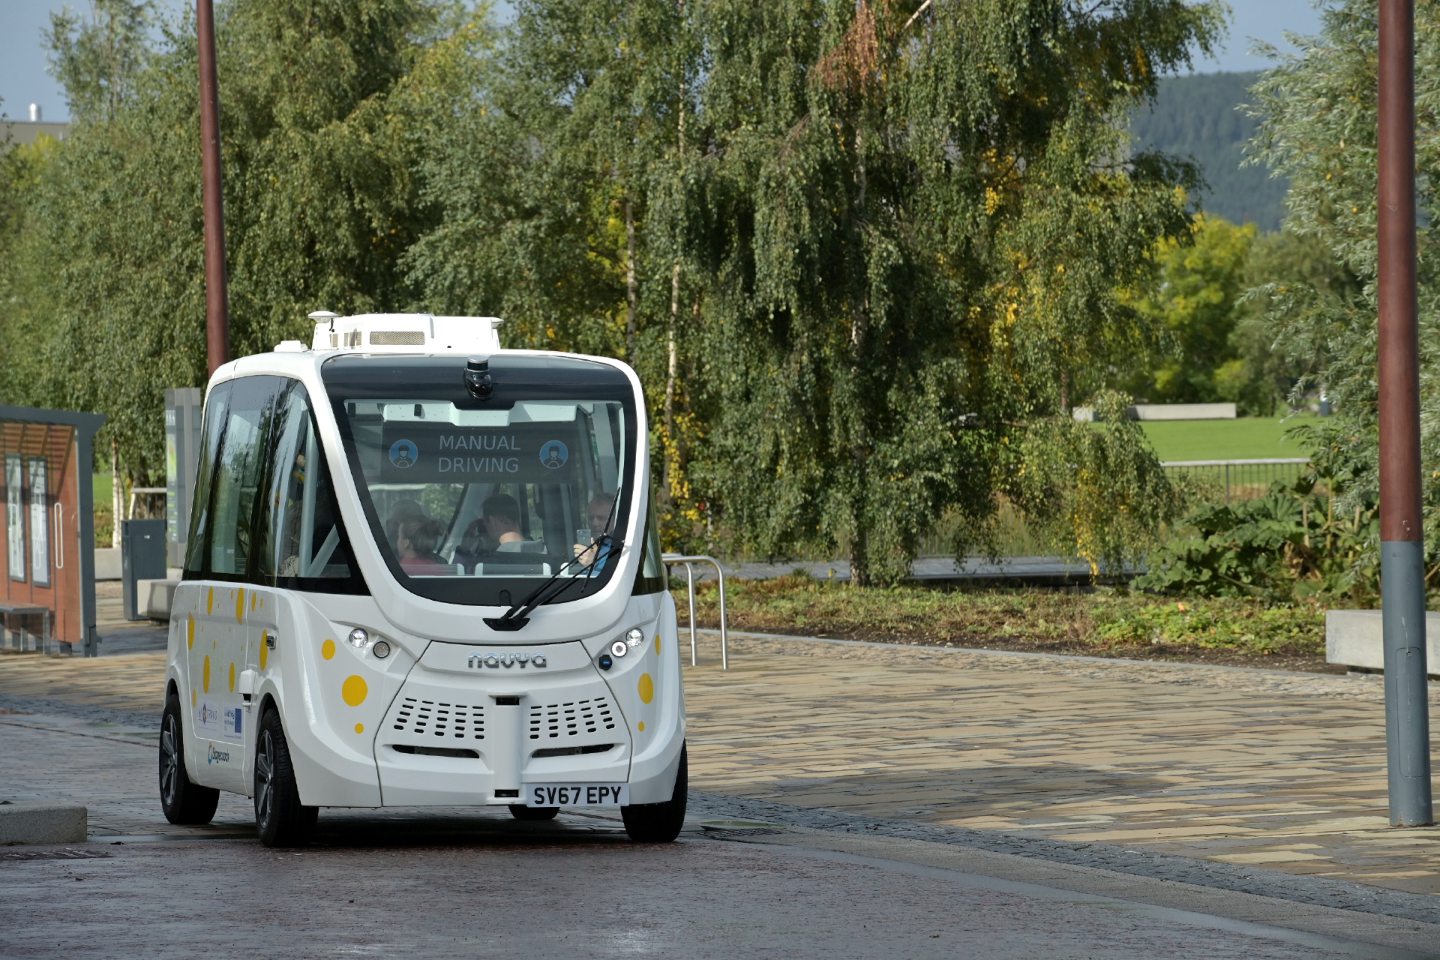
[{"x": 47, "y": 562}]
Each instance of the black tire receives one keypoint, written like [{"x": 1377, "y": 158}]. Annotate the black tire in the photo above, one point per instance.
[
  {"x": 521, "y": 812},
  {"x": 660, "y": 822},
  {"x": 280, "y": 818},
  {"x": 182, "y": 801}
]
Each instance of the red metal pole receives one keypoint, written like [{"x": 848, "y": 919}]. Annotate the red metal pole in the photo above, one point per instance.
[
  {"x": 1402, "y": 559},
  {"x": 217, "y": 314}
]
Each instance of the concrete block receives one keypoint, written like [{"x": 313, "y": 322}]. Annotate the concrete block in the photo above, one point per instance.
[
  {"x": 153, "y": 598},
  {"x": 1183, "y": 411},
  {"x": 38, "y": 822},
  {"x": 1355, "y": 638},
  {"x": 107, "y": 563}
]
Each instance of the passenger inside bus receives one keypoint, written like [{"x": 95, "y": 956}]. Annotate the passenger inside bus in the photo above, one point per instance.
[
  {"x": 416, "y": 540},
  {"x": 600, "y": 515},
  {"x": 502, "y": 522}
]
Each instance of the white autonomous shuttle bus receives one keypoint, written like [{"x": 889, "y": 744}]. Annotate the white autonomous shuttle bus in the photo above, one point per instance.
[{"x": 423, "y": 570}]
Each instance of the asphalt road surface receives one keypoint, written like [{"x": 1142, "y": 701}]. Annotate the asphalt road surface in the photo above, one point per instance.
[{"x": 418, "y": 884}]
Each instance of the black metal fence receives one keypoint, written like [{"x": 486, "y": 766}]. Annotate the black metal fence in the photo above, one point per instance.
[{"x": 1230, "y": 480}]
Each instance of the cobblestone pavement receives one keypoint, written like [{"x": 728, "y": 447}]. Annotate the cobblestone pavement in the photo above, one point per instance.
[{"x": 1250, "y": 768}]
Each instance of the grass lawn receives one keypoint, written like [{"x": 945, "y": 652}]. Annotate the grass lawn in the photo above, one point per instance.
[{"x": 1249, "y": 438}]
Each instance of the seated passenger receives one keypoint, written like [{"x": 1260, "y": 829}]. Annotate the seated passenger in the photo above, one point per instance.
[
  {"x": 415, "y": 546},
  {"x": 600, "y": 517},
  {"x": 474, "y": 545},
  {"x": 502, "y": 521}
]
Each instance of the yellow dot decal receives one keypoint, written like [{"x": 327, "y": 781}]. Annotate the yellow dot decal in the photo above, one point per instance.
[
  {"x": 205, "y": 676},
  {"x": 327, "y": 649},
  {"x": 252, "y": 601},
  {"x": 641, "y": 726},
  {"x": 359, "y": 728},
  {"x": 264, "y": 648},
  {"x": 239, "y": 606},
  {"x": 647, "y": 688},
  {"x": 232, "y": 678},
  {"x": 657, "y": 643},
  {"x": 210, "y": 601},
  {"x": 194, "y": 697},
  {"x": 354, "y": 690},
  {"x": 189, "y": 633}
]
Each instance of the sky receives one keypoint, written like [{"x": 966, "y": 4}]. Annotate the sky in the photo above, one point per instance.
[{"x": 24, "y": 79}]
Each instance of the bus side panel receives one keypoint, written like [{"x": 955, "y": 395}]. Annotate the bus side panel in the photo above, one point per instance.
[
  {"x": 209, "y": 619},
  {"x": 649, "y": 691},
  {"x": 177, "y": 669},
  {"x": 331, "y": 695}
]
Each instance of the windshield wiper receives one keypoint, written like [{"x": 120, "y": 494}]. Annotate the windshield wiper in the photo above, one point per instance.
[{"x": 606, "y": 548}]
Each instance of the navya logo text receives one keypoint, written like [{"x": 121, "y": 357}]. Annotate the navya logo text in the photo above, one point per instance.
[
  {"x": 403, "y": 454},
  {"x": 495, "y": 661},
  {"x": 208, "y": 715},
  {"x": 217, "y": 756}
]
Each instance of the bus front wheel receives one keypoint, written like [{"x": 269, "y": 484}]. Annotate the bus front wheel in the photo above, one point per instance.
[
  {"x": 660, "y": 822},
  {"x": 280, "y": 818}
]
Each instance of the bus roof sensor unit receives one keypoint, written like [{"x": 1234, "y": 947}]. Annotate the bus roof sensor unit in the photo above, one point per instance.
[{"x": 405, "y": 333}]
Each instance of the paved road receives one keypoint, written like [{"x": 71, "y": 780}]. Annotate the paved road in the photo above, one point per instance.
[
  {"x": 1248, "y": 796},
  {"x": 452, "y": 883}
]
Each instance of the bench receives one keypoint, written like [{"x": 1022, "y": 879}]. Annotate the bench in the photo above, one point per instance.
[{"x": 17, "y": 639}]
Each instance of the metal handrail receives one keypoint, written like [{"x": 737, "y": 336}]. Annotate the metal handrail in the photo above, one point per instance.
[{"x": 689, "y": 561}]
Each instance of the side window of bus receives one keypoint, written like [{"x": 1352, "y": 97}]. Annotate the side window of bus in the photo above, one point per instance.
[
  {"x": 650, "y": 578},
  {"x": 237, "y": 473},
  {"x": 299, "y": 526},
  {"x": 214, "y": 427}
]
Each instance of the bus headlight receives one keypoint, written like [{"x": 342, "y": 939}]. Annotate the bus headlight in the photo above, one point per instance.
[
  {"x": 359, "y": 638},
  {"x": 619, "y": 648},
  {"x": 635, "y": 636},
  {"x": 381, "y": 650}
]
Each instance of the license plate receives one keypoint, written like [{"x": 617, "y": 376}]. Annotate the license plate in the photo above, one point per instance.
[{"x": 577, "y": 794}]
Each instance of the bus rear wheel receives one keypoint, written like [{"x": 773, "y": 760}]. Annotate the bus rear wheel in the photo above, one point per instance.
[
  {"x": 280, "y": 818},
  {"x": 182, "y": 801},
  {"x": 660, "y": 822}
]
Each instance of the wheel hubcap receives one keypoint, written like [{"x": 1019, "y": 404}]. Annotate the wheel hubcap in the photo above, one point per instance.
[
  {"x": 264, "y": 788},
  {"x": 169, "y": 764}
]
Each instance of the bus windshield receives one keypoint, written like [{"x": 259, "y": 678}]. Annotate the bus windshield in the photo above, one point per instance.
[{"x": 476, "y": 500}]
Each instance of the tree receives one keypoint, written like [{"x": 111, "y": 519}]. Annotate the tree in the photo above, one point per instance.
[
  {"x": 1318, "y": 127},
  {"x": 562, "y": 197},
  {"x": 98, "y": 59},
  {"x": 918, "y": 228},
  {"x": 1193, "y": 298},
  {"x": 320, "y": 203}
]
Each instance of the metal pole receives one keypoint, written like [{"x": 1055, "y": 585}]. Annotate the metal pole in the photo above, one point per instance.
[
  {"x": 217, "y": 317},
  {"x": 690, "y": 587},
  {"x": 1402, "y": 560}
]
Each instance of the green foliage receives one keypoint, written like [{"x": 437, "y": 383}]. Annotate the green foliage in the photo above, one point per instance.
[
  {"x": 1318, "y": 127},
  {"x": 1192, "y": 297},
  {"x": 1201, "y": 117},
  {"x": 1102, "y": 622},
  {"x": 319, "y": 202},
  {"x": 926, "y": 265},
  {"x": 1288, "y": 545}
]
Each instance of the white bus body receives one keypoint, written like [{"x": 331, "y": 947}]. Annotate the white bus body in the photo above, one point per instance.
[{"x": 358, "y": 625}]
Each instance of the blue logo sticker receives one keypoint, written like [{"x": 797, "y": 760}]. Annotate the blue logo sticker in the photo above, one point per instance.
[
  {"x": 403, "y": 454},
  {"x": 554, "y": 454}
]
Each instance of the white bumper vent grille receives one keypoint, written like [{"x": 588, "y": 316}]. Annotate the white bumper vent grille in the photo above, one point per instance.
[
  {"x": 573, "y": 718},
  {"x": 432, "y": 718}
]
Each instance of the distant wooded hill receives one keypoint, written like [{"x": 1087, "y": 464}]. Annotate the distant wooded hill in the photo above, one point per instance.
[{"x": 1197, "y": 118}]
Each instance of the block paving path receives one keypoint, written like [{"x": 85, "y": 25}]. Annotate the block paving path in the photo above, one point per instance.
[{"x": 1275, "y": 770}]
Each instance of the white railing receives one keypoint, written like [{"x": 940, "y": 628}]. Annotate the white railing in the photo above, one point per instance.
[{"x": 669, "y": 559}]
